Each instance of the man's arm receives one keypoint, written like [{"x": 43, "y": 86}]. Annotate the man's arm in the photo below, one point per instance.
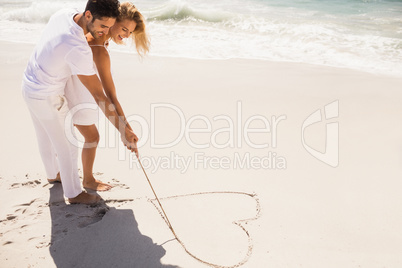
[{"x": 94, "y": 86}]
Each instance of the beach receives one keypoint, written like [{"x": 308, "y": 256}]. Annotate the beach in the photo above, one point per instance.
[{"x": 248, "y": 172}]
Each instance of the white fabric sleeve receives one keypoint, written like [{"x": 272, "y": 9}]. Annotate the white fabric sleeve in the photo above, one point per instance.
[{"x": 81, "y": 61}]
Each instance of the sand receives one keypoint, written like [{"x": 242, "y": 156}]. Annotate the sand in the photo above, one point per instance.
[{"x": 230, "y": 202}]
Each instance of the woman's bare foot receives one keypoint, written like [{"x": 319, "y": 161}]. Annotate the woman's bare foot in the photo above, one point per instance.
[
  {"x": 85, "y": 198},
  {"x": 57, "y": 179},
  {"x": 96, "y": 185}
]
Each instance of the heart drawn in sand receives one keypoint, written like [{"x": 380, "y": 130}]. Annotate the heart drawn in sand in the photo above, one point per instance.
[{"x": 211, "y": 226}]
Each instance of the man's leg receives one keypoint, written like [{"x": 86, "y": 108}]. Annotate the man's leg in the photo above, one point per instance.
[
  {"x": 50, "y": 114},
  {"x": 46, "y": 150}
]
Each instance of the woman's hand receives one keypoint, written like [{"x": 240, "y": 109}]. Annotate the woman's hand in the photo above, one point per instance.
[{"x": 130, "y": 140}]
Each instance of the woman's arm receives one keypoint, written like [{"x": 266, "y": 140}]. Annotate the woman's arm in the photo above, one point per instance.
[
  {"x": 93, "y": 84},
  {"x": 102, "y": 61}
]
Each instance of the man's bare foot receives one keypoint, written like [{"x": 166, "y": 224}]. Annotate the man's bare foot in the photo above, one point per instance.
[
  {"x": 57, "y": 179},
  {"x": 96, "y": 185},
  {"x": 85, "y": 198}
]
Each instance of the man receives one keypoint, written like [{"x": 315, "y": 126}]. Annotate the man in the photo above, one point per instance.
[{"x": 61, "y": 52}]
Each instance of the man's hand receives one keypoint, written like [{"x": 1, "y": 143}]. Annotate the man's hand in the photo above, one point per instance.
[{"x": 130, "y": 140}]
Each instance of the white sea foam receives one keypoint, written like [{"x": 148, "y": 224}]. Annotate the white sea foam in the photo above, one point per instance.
[
  {"x": 35, "y": 11},
  {"x": 359, "y": 35},
  {"x": 181, "y": 10}
]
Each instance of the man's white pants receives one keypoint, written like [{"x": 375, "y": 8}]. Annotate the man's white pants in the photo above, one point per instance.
[{"x": 58, "y": 153}]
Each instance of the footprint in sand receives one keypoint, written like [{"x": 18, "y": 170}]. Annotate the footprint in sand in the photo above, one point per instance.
[
  {"x": 68, "y": 217},
  {"x": 96, "y": 216},
  {"x": 118, "y": 202},
  {"x": 21, "y": 209},
  {"x": 29, "y": 182},
  {"x": 79, "y": 215},
  {"x": 14, "y": 224},
  {"x": 116, "y": 183}
]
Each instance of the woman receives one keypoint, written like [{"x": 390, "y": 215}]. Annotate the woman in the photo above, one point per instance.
[{"x": 129, "y": 23}]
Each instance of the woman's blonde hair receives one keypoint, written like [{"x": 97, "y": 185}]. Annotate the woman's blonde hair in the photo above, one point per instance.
[{"x": 129, "y": 12}]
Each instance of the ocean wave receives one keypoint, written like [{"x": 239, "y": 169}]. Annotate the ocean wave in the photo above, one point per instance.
[
  {"x": 35, "y": 12},
  {"x": 179, "y": 10},
  {"x": 190, "y": 28}
]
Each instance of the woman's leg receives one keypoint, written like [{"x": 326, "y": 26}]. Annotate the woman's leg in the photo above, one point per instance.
[{"x": 91, "y": 137}]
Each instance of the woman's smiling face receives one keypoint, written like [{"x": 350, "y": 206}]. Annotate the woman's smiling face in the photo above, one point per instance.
[{"x": 121, "y": 30}]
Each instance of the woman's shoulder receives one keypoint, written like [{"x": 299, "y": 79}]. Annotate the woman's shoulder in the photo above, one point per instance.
[
  {"x": 99, "y": 47},
  {"x": 99, "y": 51},
  {"x": 102, "y": 41}
]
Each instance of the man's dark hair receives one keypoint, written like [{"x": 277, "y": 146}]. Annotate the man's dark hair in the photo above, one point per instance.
[{"x": 103, "y": 8}]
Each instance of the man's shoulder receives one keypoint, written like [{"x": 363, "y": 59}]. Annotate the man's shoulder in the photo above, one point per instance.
[
  {"x": 70, "y": 33},
  {"x": 62, "y": 21}
]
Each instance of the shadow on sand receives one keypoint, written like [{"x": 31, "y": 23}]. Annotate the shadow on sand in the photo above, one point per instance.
[{"x": 98, "y": 236}]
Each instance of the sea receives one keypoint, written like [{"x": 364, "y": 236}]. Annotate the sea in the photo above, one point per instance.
[{"x": 363, "y": 35}]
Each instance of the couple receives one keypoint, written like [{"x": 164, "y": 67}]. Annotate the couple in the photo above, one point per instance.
[{"x": 61, "y": 74}]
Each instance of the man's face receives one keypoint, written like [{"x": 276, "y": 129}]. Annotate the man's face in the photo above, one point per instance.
[{"x": 100, "y": 27}]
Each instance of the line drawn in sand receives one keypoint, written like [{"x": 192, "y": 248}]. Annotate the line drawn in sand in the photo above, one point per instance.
[{"x": 240, "y": 223}]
